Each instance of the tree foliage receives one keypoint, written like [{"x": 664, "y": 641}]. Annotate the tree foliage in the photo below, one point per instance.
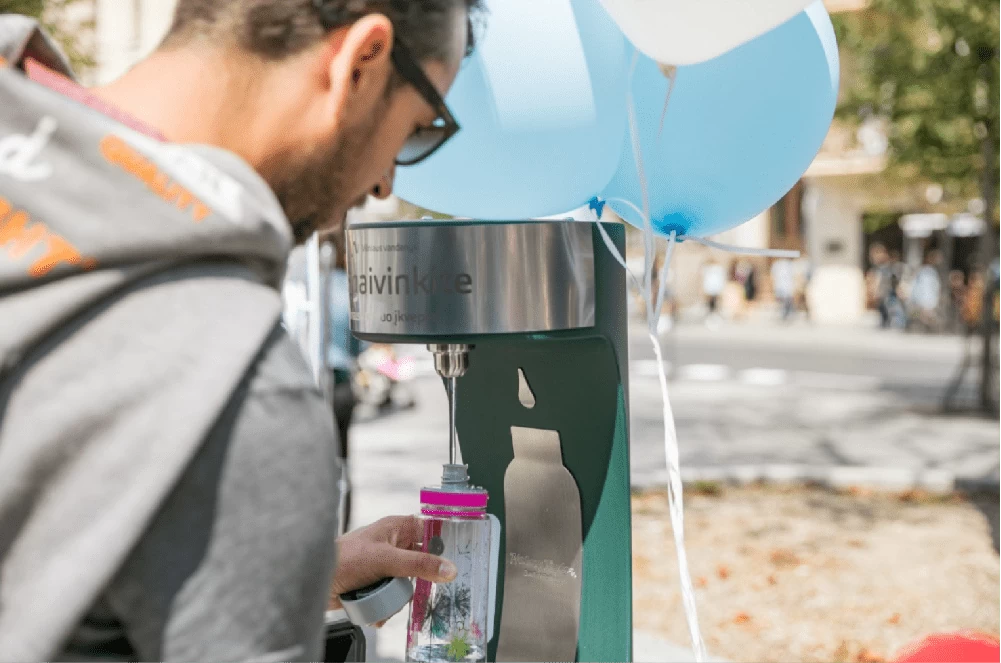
[
  {"x": 55, "y": 15},
  {"x": 929, "y": 70}
]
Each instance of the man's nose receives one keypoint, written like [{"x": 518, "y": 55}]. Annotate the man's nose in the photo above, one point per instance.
[{"x": 384, "y": 188}]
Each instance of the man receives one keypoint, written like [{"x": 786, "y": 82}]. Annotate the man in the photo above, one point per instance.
[
  {"x": 167, "y": 470},
  {"x": 926, "y": 292},
  {"x": 882, "y": 285},
  {"x": 783, "y": 285},
  {"x": 713, "y": 282}
]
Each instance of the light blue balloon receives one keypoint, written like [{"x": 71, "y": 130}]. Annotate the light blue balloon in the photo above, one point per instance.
[
  {"x": 739, "y": 131},
  {"x": 542, "y": 106}
]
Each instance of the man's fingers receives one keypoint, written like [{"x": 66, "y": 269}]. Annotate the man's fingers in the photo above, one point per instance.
[
  {"x": 409, "y": 564},
  {"x": 400, "y": 531},
  {"x": 406, "y": 531}
]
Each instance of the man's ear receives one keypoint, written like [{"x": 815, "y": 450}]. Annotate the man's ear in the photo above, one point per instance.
[{"x": 364, "y": 59}]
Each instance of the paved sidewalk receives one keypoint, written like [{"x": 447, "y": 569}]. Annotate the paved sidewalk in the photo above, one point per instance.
[
  {"x": 839, "y": 405},
  {"x": 731, "y": 430},
  {"x": 860, "y": 338}
]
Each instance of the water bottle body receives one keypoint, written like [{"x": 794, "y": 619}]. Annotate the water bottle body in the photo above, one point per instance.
[{"x": 449, "y": 621}]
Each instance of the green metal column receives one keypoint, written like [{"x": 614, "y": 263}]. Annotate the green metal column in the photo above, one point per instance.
[{"x": 580, "y": 382}]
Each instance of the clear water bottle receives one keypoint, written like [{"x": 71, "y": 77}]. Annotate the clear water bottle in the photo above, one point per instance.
[{"x": 454, "y": 621}]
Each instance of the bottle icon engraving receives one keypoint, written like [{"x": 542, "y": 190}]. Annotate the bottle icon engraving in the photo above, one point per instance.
[{"x": 543, "y": 561}]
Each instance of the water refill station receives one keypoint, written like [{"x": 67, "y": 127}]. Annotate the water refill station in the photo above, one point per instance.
[{"x": 527, "y": 323}]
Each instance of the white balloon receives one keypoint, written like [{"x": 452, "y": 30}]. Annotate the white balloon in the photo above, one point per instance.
[{"x": 680, "y": 32}]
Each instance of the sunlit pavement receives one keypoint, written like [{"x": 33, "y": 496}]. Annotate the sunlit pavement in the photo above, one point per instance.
[
  {"x": 761, "y": 401},
  {"x": 822, "y": 402}
]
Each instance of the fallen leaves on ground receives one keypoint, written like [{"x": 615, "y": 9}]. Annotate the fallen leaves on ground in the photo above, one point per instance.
[
  {"x": 817, "y": 575},
  {"x": 866, "y": 656},
  {"x": 784, "y": 558}
]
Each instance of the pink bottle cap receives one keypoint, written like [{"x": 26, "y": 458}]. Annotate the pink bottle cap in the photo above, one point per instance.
[{"x": 468, "y": 499}]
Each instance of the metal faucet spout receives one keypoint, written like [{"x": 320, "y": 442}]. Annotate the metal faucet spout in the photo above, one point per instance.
[{"x": 450, "y": 360}]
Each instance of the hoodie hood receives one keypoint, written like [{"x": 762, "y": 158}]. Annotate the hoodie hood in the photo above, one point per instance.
[{"x": 72, "y": 181}]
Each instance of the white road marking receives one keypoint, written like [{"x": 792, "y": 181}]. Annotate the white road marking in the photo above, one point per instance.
[
  {"x": 704, "y": 372},
  {"x": 647, "y": 368},
  {"x": 764, "y": 377}
]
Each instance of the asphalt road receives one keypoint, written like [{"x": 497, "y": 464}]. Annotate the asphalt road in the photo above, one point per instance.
[
  {"x": 890, "y": 356},
  {"x": 915, "y": 367}
]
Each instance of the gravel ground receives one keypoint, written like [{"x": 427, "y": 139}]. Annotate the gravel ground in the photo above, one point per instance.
[{"x": 807, "y": 574}]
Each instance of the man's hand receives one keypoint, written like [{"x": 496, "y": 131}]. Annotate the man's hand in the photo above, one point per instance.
[{"x": 384, "y": 549}]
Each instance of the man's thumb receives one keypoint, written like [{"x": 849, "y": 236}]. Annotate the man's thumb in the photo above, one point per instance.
[{"x": 409, "y": 564}]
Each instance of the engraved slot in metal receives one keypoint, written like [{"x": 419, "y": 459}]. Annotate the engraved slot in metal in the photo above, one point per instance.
[{"x": 525, "y": 394}]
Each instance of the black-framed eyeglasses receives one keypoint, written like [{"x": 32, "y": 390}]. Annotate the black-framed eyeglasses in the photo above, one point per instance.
[{"x": 425, "y": 141}]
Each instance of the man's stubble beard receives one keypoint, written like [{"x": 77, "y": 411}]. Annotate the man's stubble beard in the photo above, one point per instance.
[{"x": 313, "y": 190}]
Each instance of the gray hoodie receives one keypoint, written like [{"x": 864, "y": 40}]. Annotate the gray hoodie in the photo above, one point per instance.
[{"x": 138, "y": 299}]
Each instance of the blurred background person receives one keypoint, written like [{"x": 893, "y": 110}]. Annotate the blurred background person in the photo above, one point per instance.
[
  {"x": 802, "y": 273},
  {"x": 971, "y": 309},
  {"x": 877, "y": 282},
  {"x": 901, "y": 279},
  {"x": 384, "y": 377},
  {"x": 748, "y": 276},
  {"x": 957, "y": 295},
  {"x": 925, "y": 293},
  {"x": 900, "y": 269},
  {"x": 295, "y": 299},
  {"x": 713, "y": 282},
  {"x": 783, "y": 285},
  {"x": 995, "y": 274},
  {"x": 883, "y": 285},
  {"x": 733, "y": 301}
]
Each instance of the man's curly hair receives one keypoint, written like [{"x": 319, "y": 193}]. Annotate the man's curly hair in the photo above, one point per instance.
[{"x": 276, "y": 29}]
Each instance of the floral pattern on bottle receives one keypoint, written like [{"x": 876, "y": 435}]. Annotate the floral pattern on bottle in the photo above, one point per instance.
[{"x": 448, "y": 612}]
